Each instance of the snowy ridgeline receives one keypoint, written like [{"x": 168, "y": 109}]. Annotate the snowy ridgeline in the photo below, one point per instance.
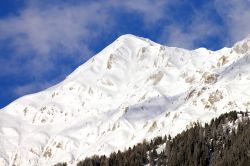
[{"x": 132, "y": 90}]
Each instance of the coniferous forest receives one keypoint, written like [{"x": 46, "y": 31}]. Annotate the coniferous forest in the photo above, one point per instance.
[{"x": 223, "y": 142}]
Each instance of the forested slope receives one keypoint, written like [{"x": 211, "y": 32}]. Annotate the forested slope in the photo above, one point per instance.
[{"x": 225, "y": 141}]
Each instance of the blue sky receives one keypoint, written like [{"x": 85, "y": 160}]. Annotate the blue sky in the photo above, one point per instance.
[{"x": 41, "y": 42}]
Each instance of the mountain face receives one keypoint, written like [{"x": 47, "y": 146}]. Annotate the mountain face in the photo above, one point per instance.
[{"x": 132, "y": 90}]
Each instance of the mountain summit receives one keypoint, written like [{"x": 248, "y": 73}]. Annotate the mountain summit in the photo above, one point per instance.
[{"x": 134, "y": 89}]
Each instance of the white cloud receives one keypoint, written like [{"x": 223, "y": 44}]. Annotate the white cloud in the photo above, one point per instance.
[
  {"x": 151, "y": 11},
  {"x": 45, "y": 30},
  {"x": 236, "y": 15},
  {"x": 235, "y": 25},
  {"x": 188, "y": 35}
]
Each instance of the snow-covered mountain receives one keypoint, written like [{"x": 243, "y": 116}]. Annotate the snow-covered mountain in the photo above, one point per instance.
[{"x": 134, "y": 89}]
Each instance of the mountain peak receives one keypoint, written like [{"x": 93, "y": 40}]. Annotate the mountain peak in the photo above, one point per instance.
[{"x": 129, "y": 38}]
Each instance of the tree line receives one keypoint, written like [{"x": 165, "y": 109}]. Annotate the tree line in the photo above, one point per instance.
[{"x": 224, "y": 141}]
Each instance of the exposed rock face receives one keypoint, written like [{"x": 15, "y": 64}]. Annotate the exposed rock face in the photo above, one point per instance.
[
  {"x": 110, "y": 61},
  {"x": 209, "y": 78}
]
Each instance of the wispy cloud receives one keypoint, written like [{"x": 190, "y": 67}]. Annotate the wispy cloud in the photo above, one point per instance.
[
  {"x": 47, "y": 30},
  {"x": 232, "y": 25},
  {"x": 188, "y": 36},
  {"x": 198, "y": 27},
  {"x": 236, "y": 15},
  {"x": 151, "y": 11}
]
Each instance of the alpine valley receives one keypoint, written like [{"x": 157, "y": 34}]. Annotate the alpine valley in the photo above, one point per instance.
[{"x": 133, "y": 90}]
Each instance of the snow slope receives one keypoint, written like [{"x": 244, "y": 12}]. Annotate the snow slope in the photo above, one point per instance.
[{"x": 132, "y": 90}]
